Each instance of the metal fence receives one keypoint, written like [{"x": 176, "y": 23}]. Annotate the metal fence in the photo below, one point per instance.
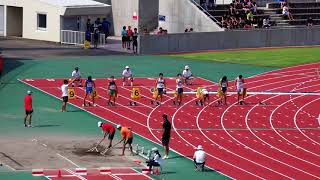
[{"x": 78, "y": 37}]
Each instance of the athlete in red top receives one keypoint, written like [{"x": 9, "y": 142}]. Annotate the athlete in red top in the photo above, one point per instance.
[
  {"x": 28, "y": 108},
  {"x": 107, "y": 129}
]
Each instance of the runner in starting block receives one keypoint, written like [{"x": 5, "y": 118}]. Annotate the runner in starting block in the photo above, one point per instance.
[{"x": 203, "y": 96}]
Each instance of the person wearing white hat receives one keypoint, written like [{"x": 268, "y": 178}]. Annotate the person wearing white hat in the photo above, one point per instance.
[
  {"x": 127, "y": 138},
  {"x": 127, "y": 76},
  {"x": 187, "y": 75},
  {"x": 76, "y": 77},
  {"x": 28, "y": 108},
  {"x": 107, "y": 129},
  {"x": 156, "y": 160},
  {"x": 199, "y": 158}
]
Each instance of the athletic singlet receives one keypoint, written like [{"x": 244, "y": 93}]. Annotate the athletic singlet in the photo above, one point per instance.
[
  {"x": 223, "y": 83},
  {"x": 179, "y": 83},
  {"x": 89, "y": 84},
  {"x": 160, "y": 83},
  {"x": 112, "y": 85},
  {"x": 239, "y": 83}
]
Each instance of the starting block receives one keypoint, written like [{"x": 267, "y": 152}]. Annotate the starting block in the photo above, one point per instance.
[{"x": 135, "y": 94}]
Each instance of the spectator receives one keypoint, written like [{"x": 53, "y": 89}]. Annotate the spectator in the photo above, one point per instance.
[
  {"x": 99, "y": 24},
  {"x": 156, "y": 160},
  {"x": 191, "y": 30},
  {"x": 310, "y": 21},
  {"x": 96, "y": 38},
  {"x": 186, "y": 30},
  {"x": 106, "y": 27},
  {"x": 250, "y": 16},
  {"x": 199, "y": 158},
  {"x": 160, "y": 32},
  {"x": 88, "y": 24},
  {"x": 129, "y": 37},
  {"x": 124, "y": 37},
  {"x": 88, "y": 35},
  {"x": 266, "y": 23},
  {"x": 135, "y": 41},
  {"x": 286, "y": 12}
]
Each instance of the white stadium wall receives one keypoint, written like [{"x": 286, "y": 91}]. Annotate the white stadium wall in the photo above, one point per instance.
[
  {"x": 2, "y": 21},
  {"x": 182, "y": 14}
]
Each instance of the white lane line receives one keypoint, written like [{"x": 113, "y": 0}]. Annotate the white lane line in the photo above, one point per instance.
[
  {"x": 295, "y": 121},
  {"x": 76, "y": 175},
  {"x": 173, "y": 125},
  {"x": 68, "y": 160},
  {"x": 198, "y": 125}
]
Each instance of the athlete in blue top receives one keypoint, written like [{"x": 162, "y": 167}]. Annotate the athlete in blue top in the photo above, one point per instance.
[{"x": 90, "y": 86}]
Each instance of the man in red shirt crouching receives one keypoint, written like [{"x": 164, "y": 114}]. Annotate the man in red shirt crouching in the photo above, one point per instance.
[
  {"x": 28, "y": 108},
  {"x": 107, "y": 129}
]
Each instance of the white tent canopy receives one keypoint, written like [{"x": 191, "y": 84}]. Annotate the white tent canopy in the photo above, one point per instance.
[{"x": 75, "y": 3}]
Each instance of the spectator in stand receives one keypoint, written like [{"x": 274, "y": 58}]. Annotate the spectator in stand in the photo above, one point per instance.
[
  {"x": 135, "y": 41},
  {"x": 96, "y": 38},
  {"x": 106, "y": 27},
  {"x": 160, "y": 32},
  {"x": 250, "y": 16},
  {"x": 310, "y": 21},
  {"x": 88, "y": 24},
  {"x": 129, "y": 37},
  {"x": 254, "y": 8},
  {"x": 99, "y": 24},
  {"x": 186, "y": 30},
  {"x": 286, "y": 12},
  {"x": 124, "y": 37},
  {"x": 266, "y": 23},
  {"x": 191, "y": 30},
  {"x": 88, "y": 35}
]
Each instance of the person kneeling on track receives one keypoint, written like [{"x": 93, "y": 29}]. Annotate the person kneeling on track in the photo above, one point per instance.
[
  {"x": 107, "y": 129},
  {"x": 156, "y": 160},
  {"x": 127, "y": 138},
  {"x": 113, "y": 91},
  {"x": 76, "y": 76},
  {"x": 127, "y": 76},
  {"x": 199, "y": 158},
  {"x": 187, "y": 75},
  {"x": 204, "y": 96}
]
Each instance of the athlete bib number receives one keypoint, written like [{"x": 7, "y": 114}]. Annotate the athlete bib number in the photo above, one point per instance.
[{"x": 71, "y": 94}]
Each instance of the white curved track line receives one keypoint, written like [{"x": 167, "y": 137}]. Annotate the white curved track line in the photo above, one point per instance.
[
  {"x": 195, "y": 146},
  {"x": 291, "y": 67},
  {"x": 197, "y": 121},
  {"x": 295, "y": 120},
  {"x": 262, "y": 140},
  {"x": 270, "y": 120}
]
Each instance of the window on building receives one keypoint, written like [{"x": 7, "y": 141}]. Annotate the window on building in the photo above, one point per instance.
[{"x": 42, "y": 21}]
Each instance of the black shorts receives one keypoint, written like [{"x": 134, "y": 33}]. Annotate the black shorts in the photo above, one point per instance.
[
  {"x": 65, "y": 99},
  {"x": 29, "y": 112},
  {"x": 111, "y": 135},
  {"x": 165, "y": 141},
  {"x": 160, "y": 91},
  {"x": 135, "y": 43},
  {"x": 180, "y": 90},
  {"x": 224, "y": 90},
  {"x": 128, "y": 141},
  {"x": 124, "y": 38}
]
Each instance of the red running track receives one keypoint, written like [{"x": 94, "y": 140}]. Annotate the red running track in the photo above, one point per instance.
[{"x": 278, "y": 140}]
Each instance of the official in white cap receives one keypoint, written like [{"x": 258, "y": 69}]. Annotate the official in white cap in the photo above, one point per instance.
[
  {"x": 199, "y": 158},
  {"x": 127, "y": 76},
  {"x": 187, "y": 75}
]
